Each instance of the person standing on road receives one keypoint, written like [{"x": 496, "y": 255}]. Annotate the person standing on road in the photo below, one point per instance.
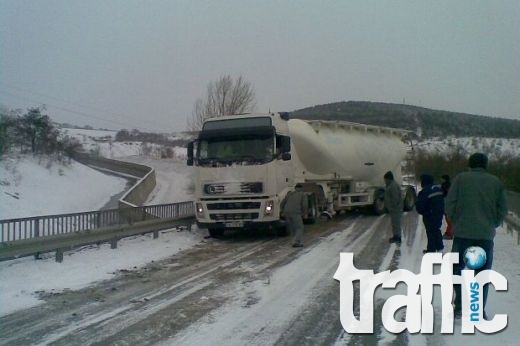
[
  {"x": 394, "y": 205},
  {"x": 294, "y": 207},
  {"x": 476, "y": 204},
  {"x": 445, "y": 187},
  {"x": 430, "y": 204}
]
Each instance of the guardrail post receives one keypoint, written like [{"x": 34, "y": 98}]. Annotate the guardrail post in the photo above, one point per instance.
[
  {"x": 59, "y": 255},
  {"x": 36, "y": 227}
]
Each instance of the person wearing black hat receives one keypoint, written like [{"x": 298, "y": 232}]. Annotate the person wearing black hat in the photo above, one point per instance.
[
  {"x": 430, "y": 204},
  {"x": 394, "y": 205},
  {"x": 476, "y": 204}
]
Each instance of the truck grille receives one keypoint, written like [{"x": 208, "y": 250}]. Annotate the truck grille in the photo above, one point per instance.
[
  {"x": 233, "y": 205},
  {"x": 251, "y": 187},
  {"x": 234, "y": 216},
  {"x": 233, "y": 188}
]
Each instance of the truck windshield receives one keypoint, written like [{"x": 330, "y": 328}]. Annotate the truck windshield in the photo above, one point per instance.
[{"x": 233, "y": 150}]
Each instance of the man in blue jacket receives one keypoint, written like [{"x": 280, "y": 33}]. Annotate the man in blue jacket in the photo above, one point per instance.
[{"x": 430, "y": 204}]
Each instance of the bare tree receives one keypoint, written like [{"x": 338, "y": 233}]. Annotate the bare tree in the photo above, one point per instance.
[{"x": 224, "y": 96}]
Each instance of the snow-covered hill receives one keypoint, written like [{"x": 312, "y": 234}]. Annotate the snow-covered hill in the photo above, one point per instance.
[
  {"x": 103, "y": 143},
  {"x": 493, "y": 147},
  {"x": 31, "y": 186}
]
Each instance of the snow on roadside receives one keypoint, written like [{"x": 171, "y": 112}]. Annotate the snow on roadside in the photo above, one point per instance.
[
  {"x": 20, "y": 279},
  {"x": 31, "y": 186}
]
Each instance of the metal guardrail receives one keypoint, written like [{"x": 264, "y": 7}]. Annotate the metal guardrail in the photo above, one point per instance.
[
  {"x": 38, "y": 234},
  {"x": 138, "y": 193},
  {"x": 52, "y": 225}
]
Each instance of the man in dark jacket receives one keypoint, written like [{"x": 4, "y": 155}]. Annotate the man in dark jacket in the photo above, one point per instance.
[
  {"x": 294, "y": 207},
  {"x": 430, "y": 204},
  {"x": 476, "y": 204},
  {"x": 394, "y": 205}
]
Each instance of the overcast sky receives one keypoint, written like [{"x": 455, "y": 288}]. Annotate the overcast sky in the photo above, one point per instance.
[{"x": 142, "y": 64}]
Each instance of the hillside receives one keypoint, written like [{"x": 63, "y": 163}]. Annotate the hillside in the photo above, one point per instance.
[
  {"x": 425, "y": 122},
  {"x": 40, "y": 185}
]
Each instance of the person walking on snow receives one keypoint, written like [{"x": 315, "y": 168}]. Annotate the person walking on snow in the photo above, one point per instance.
[
  {"x": 294, "y": 207},
  {"x": 476, "y": 204},
  {"x": 430, "y": 204},
  {"x": 394, "y": 205},
  {"x": 445, "y": 187}
]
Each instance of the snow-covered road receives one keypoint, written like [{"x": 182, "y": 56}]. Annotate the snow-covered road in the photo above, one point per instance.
[
  {"x": 249, "y": 289},
  {"x": 172, "y": 179}
]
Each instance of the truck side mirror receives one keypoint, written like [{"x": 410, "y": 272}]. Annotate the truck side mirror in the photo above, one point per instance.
[
  {"x": 286, "y": 144},
  {"x": 190, "y": 147}
]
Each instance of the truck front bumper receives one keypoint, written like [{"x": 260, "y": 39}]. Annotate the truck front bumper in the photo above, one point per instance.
[{"x": 249, "y": 225}]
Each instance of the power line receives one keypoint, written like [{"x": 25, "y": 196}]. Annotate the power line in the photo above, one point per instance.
[
  {"x": 83, "y": 114},
  {"x": 95, "y": 109}
]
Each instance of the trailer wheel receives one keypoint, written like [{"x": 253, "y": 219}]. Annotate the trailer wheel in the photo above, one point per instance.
[
  {"x": 379, "y": 203},
  {"x": 216, "y": 232},
  {"x": 409, "y": 198}
]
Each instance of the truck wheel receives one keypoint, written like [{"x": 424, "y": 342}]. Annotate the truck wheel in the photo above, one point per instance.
[
  {"x": 379, "y": 203},
  {"x": 215, "y": 232},
  {"x": 409, "y": 199},
  {"x": 313, "y": 211}
]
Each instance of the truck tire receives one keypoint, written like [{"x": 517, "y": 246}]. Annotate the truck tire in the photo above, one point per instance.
[
  {"x": 409, "y": 198},
  {"x": 216, "y": 232},
  {"x": 313, "y": 211},
  {"x": 379, "y": 203}
]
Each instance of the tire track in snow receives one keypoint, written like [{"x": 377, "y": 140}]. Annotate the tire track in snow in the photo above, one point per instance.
[{"x": 280, "y": 302}]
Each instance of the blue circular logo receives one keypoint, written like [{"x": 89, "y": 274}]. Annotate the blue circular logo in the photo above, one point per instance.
[{"x": 475, "y": 257}]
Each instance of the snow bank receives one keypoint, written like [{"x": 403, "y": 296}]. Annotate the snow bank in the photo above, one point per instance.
[
  {"x": 21, "y": 279},
  {"x": 31, "y": 186}
]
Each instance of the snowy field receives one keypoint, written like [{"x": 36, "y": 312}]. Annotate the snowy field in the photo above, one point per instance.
[
  {"x": 103, "y": 143},
  {"x": 38, "y": 186},
  {"x": 31, "y": 186}
]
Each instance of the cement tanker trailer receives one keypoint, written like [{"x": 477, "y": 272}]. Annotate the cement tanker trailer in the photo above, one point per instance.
[{"x": 246, "y": 164}]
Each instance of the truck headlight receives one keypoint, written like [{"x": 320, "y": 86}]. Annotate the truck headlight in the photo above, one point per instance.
[
  {"x": 199, "y": 209},
  {"x": 269, "y": 207}
]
